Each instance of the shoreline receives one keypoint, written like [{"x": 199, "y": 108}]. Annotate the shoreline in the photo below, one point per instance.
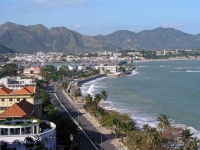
[{"x": 170, "y": 59}]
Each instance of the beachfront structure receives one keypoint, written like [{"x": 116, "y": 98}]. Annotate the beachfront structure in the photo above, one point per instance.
[
  {"x": 112, "y": 67},
  {"x": 20, "y": 129},
  {"x": 8, "y": 97},
  {"x": 33, "y": 71},
  {"x": 16, "y": 83}
]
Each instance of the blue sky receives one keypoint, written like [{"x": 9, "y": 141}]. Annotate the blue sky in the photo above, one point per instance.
[{"x": 94, "y": 17}]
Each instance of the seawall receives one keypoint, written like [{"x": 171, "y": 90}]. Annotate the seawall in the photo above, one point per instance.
[{"x": 80, "y": 82}]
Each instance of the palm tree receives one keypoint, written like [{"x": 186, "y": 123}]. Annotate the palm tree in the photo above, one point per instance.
[
  {"x": 104, "y": 95},
  {"x": 164, "y": 122},
  {"x": 39, "y": 143},
  {"x": 186, "y": 135},
  {"x": 153, "y": 138},
  {"x": 29, "y": 141},
  {"x": 193, "y": 144}
]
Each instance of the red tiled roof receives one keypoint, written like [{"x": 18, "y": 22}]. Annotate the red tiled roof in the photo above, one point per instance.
[
  {"x": 25, "y": 90},
  {"x": 30, "y": 88},
  {"x": 22, "y": 109},
  {"x": 5, "y": 90}
]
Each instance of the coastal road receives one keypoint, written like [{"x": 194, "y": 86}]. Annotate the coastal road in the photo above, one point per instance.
[
  {"x": 81, "y": 139},
  {"x": 103, "y": 140}
]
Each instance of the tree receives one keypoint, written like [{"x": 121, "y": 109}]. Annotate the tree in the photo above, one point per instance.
[
  {"x": 164, "y": 122},
  {"x": 78, "y": 92},
  {"x": 104, "y": 95},
  {"x": 39, "y": 143},
  {"x": 186, "y": 135},
  {"x": 153, "y": 138},
  {"x": 9, "y": 70},
  {"x": 193, "y": 144}
]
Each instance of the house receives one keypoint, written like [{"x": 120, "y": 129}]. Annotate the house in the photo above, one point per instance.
[
  {"x": 8, "y": 97},
  {"x": 32, "y": 71},
  {"x": 20, "y": 126}
]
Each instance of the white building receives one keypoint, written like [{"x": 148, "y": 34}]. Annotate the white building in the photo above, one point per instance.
[
  {"x": 19, "y": 128},
  {"x": 16, "y": 83},
  {"x": 110, "y": 68}
]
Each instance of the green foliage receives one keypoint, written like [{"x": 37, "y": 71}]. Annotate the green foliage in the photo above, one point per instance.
[
  {"x": 65, "y": 126},
  {"x": 9, "y": 70}
]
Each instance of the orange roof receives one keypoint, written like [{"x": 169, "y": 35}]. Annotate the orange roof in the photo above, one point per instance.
[
  {"x": 5, "y": 90},
  {"x": 33, "y": 68},
  {"x": 30, "y": 88},
  {"x": 22, "y": 109},
  {"x": 25, "y": 90}
]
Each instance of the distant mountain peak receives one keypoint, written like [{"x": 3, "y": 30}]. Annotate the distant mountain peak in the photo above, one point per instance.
[{"x": 33, "y": 38}]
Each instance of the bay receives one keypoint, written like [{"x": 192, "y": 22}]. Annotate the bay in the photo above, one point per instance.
[{"x": 155, "y": 87}]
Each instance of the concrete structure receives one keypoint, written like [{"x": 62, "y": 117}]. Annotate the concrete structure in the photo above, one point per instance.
[
  {"x": 32, "y": 71},
  {"x": 20, "y": 129},
  {"x": 112, "y": 67},
  {"x": 16, "y": 83},
  {"x": 8, "y": 97}
]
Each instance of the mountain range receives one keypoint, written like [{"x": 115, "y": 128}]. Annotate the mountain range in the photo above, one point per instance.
[
  {"x": 33, "y": 38},
  {"x": 4, "y": 49}
]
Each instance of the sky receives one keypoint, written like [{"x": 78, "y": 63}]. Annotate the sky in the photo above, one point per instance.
[{"x": 95, "y": 17}]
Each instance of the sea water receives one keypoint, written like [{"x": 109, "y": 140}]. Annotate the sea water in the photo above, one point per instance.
[{"x": 155, "y": 87}]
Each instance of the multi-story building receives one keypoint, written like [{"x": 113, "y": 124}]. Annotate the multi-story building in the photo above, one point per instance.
[
  {"x": 8, "y": 97},
  {"x": 21, "y": 130},
  {"x": 16, "y": 83}
]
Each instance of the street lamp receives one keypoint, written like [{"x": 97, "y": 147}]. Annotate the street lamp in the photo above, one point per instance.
[{"x": 101, "y": 138}]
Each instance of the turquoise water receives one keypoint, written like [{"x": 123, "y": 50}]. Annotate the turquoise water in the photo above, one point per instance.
[{"x": 155, "y": 87}]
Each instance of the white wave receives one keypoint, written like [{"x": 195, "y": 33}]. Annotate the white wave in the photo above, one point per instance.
[
  {"x": 91, "y": 89},
  {"x": 133, "y": 73},
  {"x": 192, "y": 71},
  {"x": 162, "y": 66},
  {"x": 195, "y": 132},
  {"x": 143, "y": 118}
]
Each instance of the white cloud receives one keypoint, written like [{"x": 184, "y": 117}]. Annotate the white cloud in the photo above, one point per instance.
[
  {"x": 78, "y": 26},
  {"x": 57, "y": 3},
  {"x": 172, "y": 25}
]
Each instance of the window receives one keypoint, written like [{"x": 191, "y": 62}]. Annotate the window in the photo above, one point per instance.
[
  {"x": 10, "y": 99},
  {"x": 3, "y": 108},
  {"x": 18, "y": 99},
  {"x": 2, "y": 100},
  {"x": 24, "y": 99}
]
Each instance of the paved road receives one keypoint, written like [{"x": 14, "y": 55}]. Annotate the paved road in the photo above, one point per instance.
[
  {"x": 101, "y": 139},
  {"x": 81, "y": 139}
]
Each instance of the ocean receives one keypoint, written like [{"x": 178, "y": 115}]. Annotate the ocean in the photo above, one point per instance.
[{"x": 155, "y": 87}]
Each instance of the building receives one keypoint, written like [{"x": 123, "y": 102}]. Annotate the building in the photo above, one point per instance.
[
  {"x": 8, "y": 97},
  {"x": 20, "y": 129},
  {"x": 32, "y": 71},
  {"x": 112, "y": 67},
  {"x": 16, "y": 83}
]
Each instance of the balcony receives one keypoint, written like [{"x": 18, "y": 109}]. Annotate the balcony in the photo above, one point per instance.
[{"x": 14, "y": 132}]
